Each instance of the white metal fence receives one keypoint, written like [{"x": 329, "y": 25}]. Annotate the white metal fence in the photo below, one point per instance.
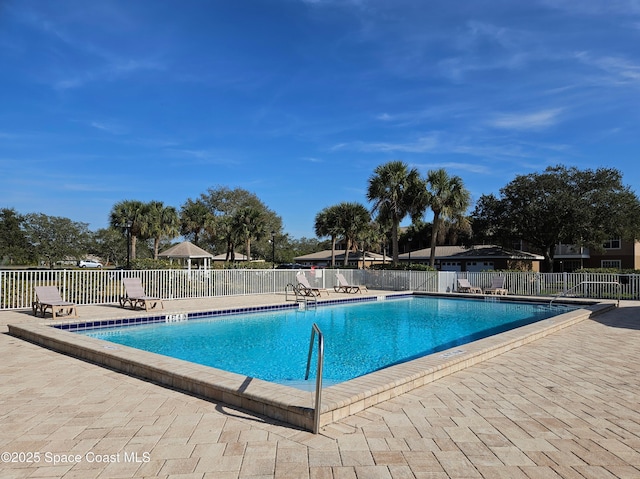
[{"x": 105, "y": 286}]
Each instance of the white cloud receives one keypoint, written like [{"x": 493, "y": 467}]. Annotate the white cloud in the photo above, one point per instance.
[
  {"x": 111, "y": 71},
  {"x": 475, "y": 168},
  {"x": 620, "y": 69},
  {"x": 200, "y": 157},
  {"x": 527, "y": 121},
  {"x": 108, "y": 127},
  {"x": 421, "y": 145},
  {"x": 595, "y": 7}
]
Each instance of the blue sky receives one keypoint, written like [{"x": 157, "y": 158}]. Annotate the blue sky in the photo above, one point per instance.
[{"x": 298, "y": 101}]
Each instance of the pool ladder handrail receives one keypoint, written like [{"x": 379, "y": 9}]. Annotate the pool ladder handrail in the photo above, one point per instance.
[
  {"x": 316, "y": 415},
  {"x": 564, "y": 293},
  {"x": 300, "y": 297}
]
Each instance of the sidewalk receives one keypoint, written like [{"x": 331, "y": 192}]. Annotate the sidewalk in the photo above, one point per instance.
[{"x": 563, "y": 406}]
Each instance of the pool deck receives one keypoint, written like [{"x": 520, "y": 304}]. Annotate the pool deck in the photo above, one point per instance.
[{"x": 564, "y": 405}]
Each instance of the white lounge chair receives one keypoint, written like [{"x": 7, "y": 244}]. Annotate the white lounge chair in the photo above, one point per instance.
[
  {"x": 465, "y": 287},
  {"x": 343, "y": 286},
  {"x": 48, "y": 298},
  {"x": 497, "y": 286},
  {"x": 306, "y": 288},
  {"x": 135, "y": 296}
]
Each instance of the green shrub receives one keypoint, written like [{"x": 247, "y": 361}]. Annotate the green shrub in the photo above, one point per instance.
[{"x": 608, "y": 270}]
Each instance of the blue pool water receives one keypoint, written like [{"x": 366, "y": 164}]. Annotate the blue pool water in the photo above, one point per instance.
[{"x": 359, "y": 338}]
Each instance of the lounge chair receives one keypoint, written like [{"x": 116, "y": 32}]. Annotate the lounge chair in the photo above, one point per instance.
[
  {"x": 497, "y": 286},
  {"x": 465, "y": 287},
  {"x": 305, "y": 288},
  {"x": 48, "y": 298},
  {"x": 135, "y": 296},
  {"x": 343, "y": 286}
]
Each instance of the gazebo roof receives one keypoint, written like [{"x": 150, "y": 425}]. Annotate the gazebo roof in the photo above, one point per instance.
[{"x": 186, "y": 249}]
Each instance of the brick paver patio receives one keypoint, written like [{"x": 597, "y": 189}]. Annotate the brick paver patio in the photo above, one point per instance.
[{"x": 565, "y": 406}]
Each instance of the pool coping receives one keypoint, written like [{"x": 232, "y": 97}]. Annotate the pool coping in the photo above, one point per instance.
[{"x": 285, "y": 403}]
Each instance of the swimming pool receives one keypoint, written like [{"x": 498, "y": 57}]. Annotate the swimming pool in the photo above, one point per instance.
[
  {"x": 281, "y": 402},
  {"x": 359, "y": 338}
]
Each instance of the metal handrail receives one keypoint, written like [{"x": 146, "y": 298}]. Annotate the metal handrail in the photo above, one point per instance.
[
  {"x": 316, "y": 417},
  {"x": 300, "y": 297},
  {"x": 293, "y": 289},
  {"x": 589, "y": 282}
]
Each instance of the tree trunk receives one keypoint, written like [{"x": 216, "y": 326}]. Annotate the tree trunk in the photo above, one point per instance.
[
  {"x": 134, "y": 241},
  {"x": 231, "y": 251},
  {"x": 333, "y": 251},
  {"x": 548, "y": 258},
  {"x": 434, "y": 238},
  {"x": 394, "y": 242},
  {"x": 346, "y": 252}
]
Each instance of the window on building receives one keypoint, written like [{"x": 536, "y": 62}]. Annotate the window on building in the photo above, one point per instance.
[
  {"x": 612, "y": 244},
  {"x": 611, "y": 263}
]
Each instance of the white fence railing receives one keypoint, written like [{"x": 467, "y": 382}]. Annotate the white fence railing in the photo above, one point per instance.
[{"x": 105, "y": 286}]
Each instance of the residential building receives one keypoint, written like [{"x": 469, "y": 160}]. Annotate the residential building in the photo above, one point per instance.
[
  {"x": 475, "y": 258},
  {"x": 356, "y": 259},
  {"x": 617, "y": 253}
]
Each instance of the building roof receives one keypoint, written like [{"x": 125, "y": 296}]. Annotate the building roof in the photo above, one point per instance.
[
  {"x": 325, "y": 255},
  {"x": 474, "y": 252},
  {"x": 186, "y": 249},
  {"x": 223, "y": 257}
]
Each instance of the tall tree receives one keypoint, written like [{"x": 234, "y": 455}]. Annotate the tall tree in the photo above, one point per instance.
[
  {"x": 195, "y": 218},
  {"x": 110, "y": 245},
  {"x": 226, "y": 231},
  {"x": 353, "y": 224},
  {"x": 128, "y": 217},
  {"x": 561, "y": 205},
  {"x": 456, "y": 231},
  {"x": 248, "y": 224},
  {"x": 56, "y": 238},
  {"x": 396, "y": 192},
  {"x": 448, "y": 199},
  {"x": 224, "y": 203},
  {"x": 14, "y": 247},
  {"x": 159, "y": 221},
  {"x": 327, "y": 224}
]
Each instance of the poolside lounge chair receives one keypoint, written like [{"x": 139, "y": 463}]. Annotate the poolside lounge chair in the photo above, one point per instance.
[
  {"x": 48, "y": 298},
  {"x": 135, "y": 296},
  {"x": 343, "y": 286},
  {"x": 465, "y": 287},
  {"x": 305, "y": 288},
  {"x": 497, "y": 286}
]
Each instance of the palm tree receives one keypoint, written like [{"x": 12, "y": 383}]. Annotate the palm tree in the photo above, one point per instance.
[
  {"x": 160, "y": 222},
  {"x": 224, "y": 229},
  {"x": 247, "y": 224},
  {"x": 353, "y": 224},
  {"x": 127, "y": 216},
  {"x": 396, "y": 192},
  {"x": 194, "y": 219},
  {"x": 327, "y": 224},
  {"x": 448, "y": 199}
]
